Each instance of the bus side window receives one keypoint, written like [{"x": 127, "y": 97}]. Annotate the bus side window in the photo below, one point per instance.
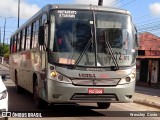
[
  {"x": 23, "y": 39},
  {"x": 18, "y": 42},
  {"x": 31, "y": 36},
  {"x": 15, "y": 44},
  {"x": 28, "y": 37},
  {"x": 35, "y": 34},
  {"x": 44, "y": 21},
  {"x": 11, "y": 44}
]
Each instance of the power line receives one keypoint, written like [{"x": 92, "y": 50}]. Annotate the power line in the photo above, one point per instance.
[
  {"x": 116, "y": 2},
  {"x": 149, "y": 29},
  {"x": 7, "y": 31},
  {"x": 147, "y": 15},
  {"x": 148, "y": 24},
  {"x": 127, "y": 3},
  {"x": 148, "y": 20},
  {"x": 11, "y": 26}
]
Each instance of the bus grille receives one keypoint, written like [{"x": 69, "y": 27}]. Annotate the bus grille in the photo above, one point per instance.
[
  {"x": 95, "y": 97},
  {"x": 97, "y": 82}
]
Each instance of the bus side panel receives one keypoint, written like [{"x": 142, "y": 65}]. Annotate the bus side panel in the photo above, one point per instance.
[
  {"x": 23, "y": 65},
  {"x": 13, "y": 65}
]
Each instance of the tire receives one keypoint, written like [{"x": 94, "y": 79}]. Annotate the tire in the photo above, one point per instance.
[
  {"x": 19, "y": 89},
  {"x": 103, "y": 105},
  {"x": 40, "y": 104}
]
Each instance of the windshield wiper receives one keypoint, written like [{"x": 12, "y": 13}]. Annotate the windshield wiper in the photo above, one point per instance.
[
  {"x": 116, "y": 67},
  {"x": 83, "y": 52},
  {"x": 81, "y": 55}
]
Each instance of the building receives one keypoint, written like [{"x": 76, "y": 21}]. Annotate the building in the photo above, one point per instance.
[{"x": 148, "y": 60}]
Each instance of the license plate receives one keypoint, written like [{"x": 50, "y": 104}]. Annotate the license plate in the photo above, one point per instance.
[{"x": 95, "y": 90}]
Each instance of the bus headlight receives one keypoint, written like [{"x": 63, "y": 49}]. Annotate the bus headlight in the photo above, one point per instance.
[
  {"x": 59, "y": 77},
  {"x": 133, "y": 75},
  {"x": 127, "y": 79},
  {"x": 130, "y": 78},
  {"x": 62, "y": 78}
]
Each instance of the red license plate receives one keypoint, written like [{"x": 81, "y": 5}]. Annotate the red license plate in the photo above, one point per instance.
[{"x": 95, "y": 90}]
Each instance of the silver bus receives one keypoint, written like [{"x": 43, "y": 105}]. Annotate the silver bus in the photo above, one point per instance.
[{"x": 75, "y": 53}]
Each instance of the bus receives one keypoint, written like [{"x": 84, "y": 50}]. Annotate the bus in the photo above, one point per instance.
[{"x": 74, "y": 54}]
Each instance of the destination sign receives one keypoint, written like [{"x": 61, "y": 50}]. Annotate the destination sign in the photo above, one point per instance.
[{"x": 67, "y": 13}]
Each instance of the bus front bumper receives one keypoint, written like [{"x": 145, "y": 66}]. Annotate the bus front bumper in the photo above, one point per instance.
[{"x": 62, "y": 92}]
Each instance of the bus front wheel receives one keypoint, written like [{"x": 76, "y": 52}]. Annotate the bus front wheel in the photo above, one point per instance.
[
  {"x": 37, "y": 100},
  {"x": 103, "y": 105}
]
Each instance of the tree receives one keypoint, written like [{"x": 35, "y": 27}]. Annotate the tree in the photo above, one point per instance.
[
  {"x": 4, "y": 50},
  {"x": 6, "y": 55},
  {"x": 1, "y": 49}
]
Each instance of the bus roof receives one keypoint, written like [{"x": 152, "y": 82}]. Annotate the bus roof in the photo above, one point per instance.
[
  {"x": 72, "y": 6},
  {"x": 87, "y": 7}
]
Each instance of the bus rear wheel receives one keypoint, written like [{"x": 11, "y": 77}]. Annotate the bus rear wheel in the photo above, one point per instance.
[
  {"x": 19, "y": 89},
  {"x": 40, "y": 104},
  {"x": 103, "y": 105}
]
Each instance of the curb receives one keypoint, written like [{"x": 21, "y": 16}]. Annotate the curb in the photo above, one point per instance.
[{"x": 147, "y": 103}]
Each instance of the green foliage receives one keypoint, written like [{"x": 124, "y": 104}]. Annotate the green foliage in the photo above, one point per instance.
[
  {"x": 4, "y": 50},
  {"x": 6, "y": 55}
]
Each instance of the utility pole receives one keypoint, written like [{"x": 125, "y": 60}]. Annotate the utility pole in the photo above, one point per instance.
[
  {"x": 0, "y": 36},
  {"x": 100, "y": 2},
  {"x": 18, "y": 12},
  {"x": 4, "y": 29}
]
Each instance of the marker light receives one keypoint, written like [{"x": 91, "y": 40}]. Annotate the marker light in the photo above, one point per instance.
[{"x": 52, "y": 67}]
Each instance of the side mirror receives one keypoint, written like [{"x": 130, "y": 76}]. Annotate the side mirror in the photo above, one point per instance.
[
  {"x": 137, "y": 40},
  {"x": 136, "y": 36},
  {"x": 41, "y": 35},
  {"x": 3, "y": 77}
]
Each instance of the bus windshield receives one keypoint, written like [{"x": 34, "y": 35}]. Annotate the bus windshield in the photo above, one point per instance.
[{"x": 76, "y": 29}]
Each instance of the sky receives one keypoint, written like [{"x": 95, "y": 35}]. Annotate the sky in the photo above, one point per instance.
[{"x": 145, "y": 13}]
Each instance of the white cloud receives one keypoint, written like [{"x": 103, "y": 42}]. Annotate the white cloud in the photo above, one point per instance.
[
  {"x": 94, "y": 2},
  {"x": 155, "y": 9},
  {"x": 9, "y": 8}
]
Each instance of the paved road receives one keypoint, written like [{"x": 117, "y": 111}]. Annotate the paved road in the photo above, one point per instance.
[
  {"x": 3, "y": 70},
  {"x": 85, "y": 111}
]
